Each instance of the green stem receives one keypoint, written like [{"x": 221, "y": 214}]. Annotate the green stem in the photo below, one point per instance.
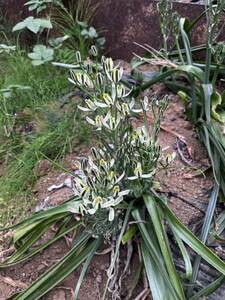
[
  {"x": 179, "y": 50},
  {"x": 208, "y": 63},
  {"x": 165, "y": 45},
  {"x": 209, "y": 41},
  {"x": 215, "y": 75}
]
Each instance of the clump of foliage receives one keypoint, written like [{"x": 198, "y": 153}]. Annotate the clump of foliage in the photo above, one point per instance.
[
  {"x": 72, "y": 23},
  {"x": 52, "y": 142},
  {"x": 197, "y": 83},
  {"x": 27, "y": 92},
  {"x": 115, "y": 199},
  {"x": 23, "y": 91}
]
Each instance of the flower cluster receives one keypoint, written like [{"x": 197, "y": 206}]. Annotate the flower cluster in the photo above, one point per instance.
[
  {"x": 98, "y": 185},
  {"x": 107, "y": 100},
  {"x": 126, "y": 164}
]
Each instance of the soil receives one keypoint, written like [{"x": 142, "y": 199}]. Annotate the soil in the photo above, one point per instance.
[{"x": 186, "y": 188}]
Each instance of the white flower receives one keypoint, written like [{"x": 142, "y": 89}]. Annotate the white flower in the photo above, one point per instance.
[
  {"x": 111, "y": 122},
  {"x": 90, "y": 106},
  {"x": 107, "y": 64},
  {"x": 121, "y": 91},
  {"x": 111, "y": 214},
  {"x": 101, "y": 104},
  {"x": 97, "y": 122},
  {"x": 107, "y": 99},
  {"x": 138, "y": 173},
  {"x": 79, "y": 78},
  {"x": 115, "y": 75},
  {"x": 97, "y": 185},
  {"x": 145, "y": 103}
]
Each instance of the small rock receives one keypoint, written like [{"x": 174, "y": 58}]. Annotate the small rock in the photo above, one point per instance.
[
  {"x": 187, "y": 125},
  {"x": 42, "y": 168},
  {"x": 99, "y": 279},
  {"x": 41, "y": 267},
  {"x": 59, "y": 295}
]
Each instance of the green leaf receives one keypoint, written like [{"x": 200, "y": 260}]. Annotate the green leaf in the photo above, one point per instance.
[
  {"x": 206, "y": 138},
  {"x": 205, "y": 228},
  {"x": 157, "y": 220},
  {"x": 95, "y": 246},
  {"x": 157, "y": 283},
  {"x": 129, "y": 234},
  {"x": 33, "y": 24},
  {"x": 72, "y": 205},
  {"x": 151, "y": 242},
  {"x": 186, "y": 41},
  {"x": 218, "y": 112},
  {"x": 6, "y": 48},
  {"x": 41, "y": 54},
  {"x": 191, "y": 240},
  {"x": 37, "y": 62},
  {"x": 34, "y": 56},
  {"x": 212, "y": 287},
  {"x": 20, "y": 258},
  {"x": 193, "y": 70},
  {"x": 208, "y": 91},
  {"x": 59, "y": 271},
  {"x": 186, "y": 256},
  {"x": 186, "y": 69}
]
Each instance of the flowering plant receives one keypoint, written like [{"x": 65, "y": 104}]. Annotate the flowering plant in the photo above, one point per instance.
[
  {"x": 114, "y": 201},
  {"x": 126, "y": 162}
]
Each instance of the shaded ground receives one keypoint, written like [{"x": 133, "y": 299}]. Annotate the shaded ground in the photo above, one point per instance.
[{"x": 186, "y": 187}]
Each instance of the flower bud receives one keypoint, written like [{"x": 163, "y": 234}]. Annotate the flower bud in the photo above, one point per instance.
[
  {"x": 94, "y": 50},
  {"x": 108, "y": 65},
  {"x": 89, "y": 68},
  {"x": 99, "y": 79},
  {"x": 120, "y": 91},
  {"x": 117, "y": 75},
  {"x": 107, "y": 99},
  {"x": 78, "y": 57}
]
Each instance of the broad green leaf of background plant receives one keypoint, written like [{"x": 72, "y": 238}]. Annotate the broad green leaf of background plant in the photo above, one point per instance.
[
  {"x": 41, "y": 54},
  {"x": 57, "y": 42},
  {"x": 197, "y": 72},
  {"x": 90, "y": 33},
  {"x": 40, "y": 5},
  {"x": 33, "y": 24}
]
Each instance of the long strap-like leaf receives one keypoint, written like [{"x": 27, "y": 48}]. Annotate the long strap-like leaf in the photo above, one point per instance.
[
  {"x": 95, "y": 246},
  {"x": 205, "y": 228},
  {"x": 59, "y": 271},
  {"x": 157, "y": 220},
  {"x": 191, "y": 240},
  {"x": 209, "y": 289},
  {"x": 19, "y": 257},
  {"x": 153, "y": 247},
  {"x": 186, "y": 41},
  {"x": 157, "y": 283},
  {"x": 63, "y": 208}
]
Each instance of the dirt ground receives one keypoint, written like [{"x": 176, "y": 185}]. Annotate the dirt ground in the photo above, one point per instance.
[{"x": 186, "y": 187}]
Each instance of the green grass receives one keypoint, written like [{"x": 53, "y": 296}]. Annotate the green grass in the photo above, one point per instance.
[
  {"x": 46, "y": 82},
  {"x": 20, "y": 177},
  {"x": 55, "y": 130}
]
